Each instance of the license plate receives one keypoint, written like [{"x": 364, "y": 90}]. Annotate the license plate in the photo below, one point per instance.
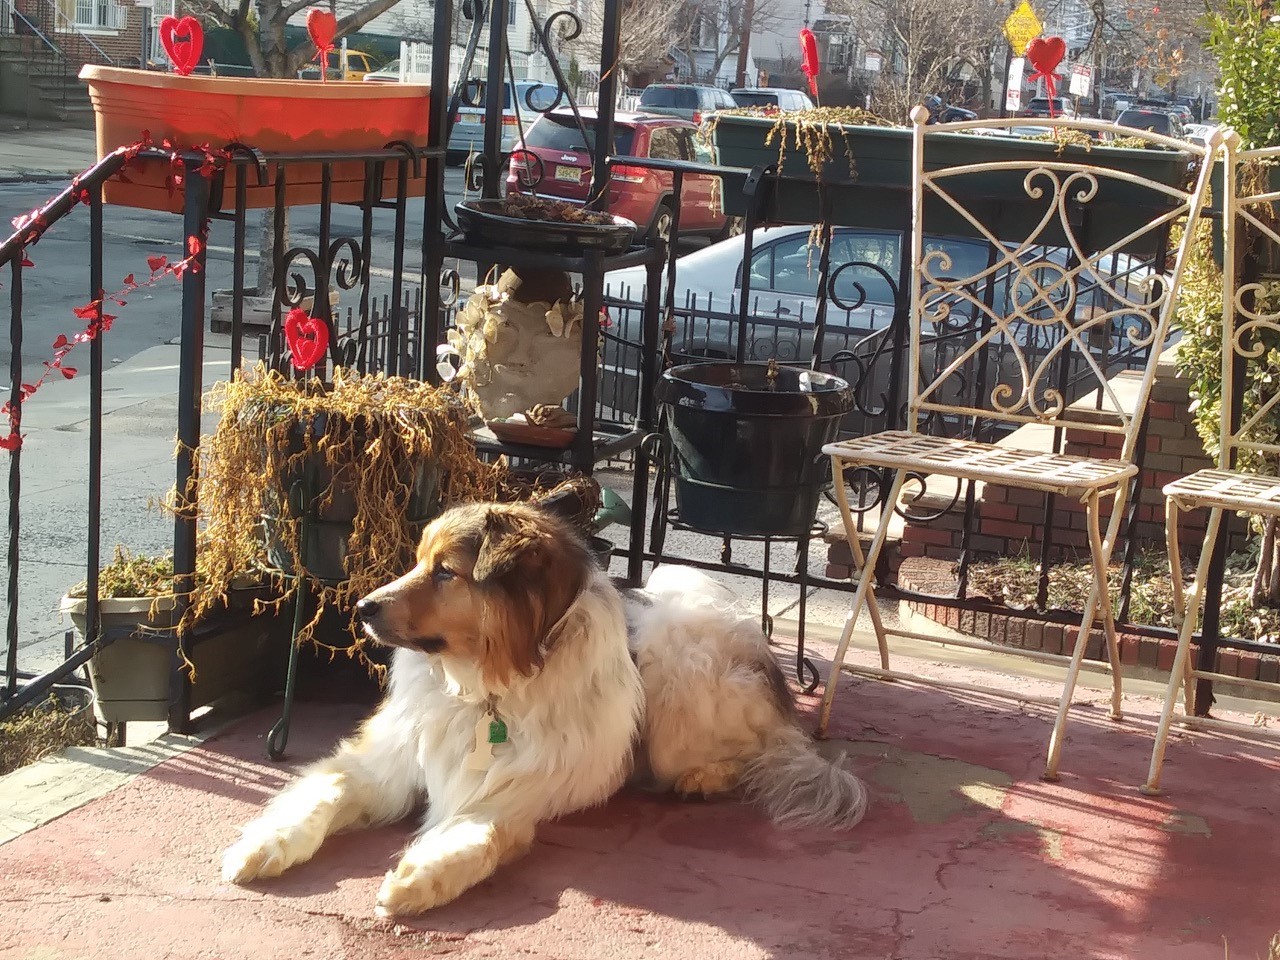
[{"x": 569, "y": 174}]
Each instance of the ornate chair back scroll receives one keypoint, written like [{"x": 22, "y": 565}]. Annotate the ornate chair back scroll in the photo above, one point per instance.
[
  {"x": 1059, "y": 294},
  {"x": 1247, "y": 479}
]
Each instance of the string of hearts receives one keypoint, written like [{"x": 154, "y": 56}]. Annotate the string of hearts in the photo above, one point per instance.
[{"x": 33, "y": 225}]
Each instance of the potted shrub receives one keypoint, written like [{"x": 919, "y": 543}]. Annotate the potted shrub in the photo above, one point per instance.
[
  {"x": 131, "y": 673},
  {"x": 854, "y": 158},
  {"x": 275, "y": 116},
  {"x": 329, "y": 485}
]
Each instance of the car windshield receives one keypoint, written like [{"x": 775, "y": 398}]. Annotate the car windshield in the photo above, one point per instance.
[
  {"x": 392, "y": 67},
  {"x": 1153, "y": 120},
  {"x": 557, "y": 131},
  {"x": 682, "y": 98},
  {"x": 755, "y": 99}
]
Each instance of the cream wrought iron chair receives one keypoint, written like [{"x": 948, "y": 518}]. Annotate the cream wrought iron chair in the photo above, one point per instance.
[
  {"x": 1062, "y": 191},
  {"x": 1249, "y": 316}
]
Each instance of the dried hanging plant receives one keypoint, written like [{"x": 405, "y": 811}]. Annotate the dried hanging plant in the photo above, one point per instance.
[{"x": 370, "y": 433}]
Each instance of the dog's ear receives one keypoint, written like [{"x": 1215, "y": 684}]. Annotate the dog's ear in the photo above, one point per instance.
[
  {"x": 531, "y": 571},
  {"x": 506, "y": 540}
]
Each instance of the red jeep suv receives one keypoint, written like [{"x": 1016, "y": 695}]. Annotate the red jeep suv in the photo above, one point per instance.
[{"x": 554, "y": 156}]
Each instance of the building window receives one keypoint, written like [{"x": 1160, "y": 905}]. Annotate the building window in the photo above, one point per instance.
[{"x": 100, "y": 15}]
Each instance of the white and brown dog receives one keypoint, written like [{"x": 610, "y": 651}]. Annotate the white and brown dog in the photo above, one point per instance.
[{"x": 524, "y": 686}]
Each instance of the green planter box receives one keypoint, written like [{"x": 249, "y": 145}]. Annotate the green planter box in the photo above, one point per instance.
[{"x": 879, "y": 195}]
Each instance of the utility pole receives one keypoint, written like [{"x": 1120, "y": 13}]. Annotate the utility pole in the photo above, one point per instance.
[{"x": 744, "y": 42}]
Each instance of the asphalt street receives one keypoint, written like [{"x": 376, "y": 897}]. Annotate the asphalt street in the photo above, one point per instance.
[{"x": 59, "y": 281}]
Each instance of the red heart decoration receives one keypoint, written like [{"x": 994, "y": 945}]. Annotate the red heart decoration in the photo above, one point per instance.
[
  {"x": 322, "y": 25},
  {"x": 183, "y": 41},
  {"x": 307, "y": 337},
  {"x": 1045, "y": 53}
]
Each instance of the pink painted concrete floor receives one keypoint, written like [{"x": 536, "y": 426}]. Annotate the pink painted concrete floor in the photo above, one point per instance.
[{"x": 965, "y": 854}]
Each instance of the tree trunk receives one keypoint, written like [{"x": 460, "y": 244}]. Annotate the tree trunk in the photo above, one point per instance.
[{"x": 1265, "y": 591}]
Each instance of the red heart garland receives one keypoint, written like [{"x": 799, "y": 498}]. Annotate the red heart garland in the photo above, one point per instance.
[
  {"x": 1045, "y": 53},
  {"x": 183, "y": 41},
  {"x": 307, "y": 337}
]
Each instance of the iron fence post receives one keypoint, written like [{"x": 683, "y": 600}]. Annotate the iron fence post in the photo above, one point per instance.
[{"x": 190, "y": 387}]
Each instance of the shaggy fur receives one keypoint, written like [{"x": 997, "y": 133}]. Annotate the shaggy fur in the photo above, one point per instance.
[{"x": 506, "y": 614}]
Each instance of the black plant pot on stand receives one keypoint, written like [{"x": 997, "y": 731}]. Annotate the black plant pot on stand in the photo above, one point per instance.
[
  {"x": 744, "y": 447},
  {"x": 746, "y": 444},
  {"x": 323, "y": 506}
]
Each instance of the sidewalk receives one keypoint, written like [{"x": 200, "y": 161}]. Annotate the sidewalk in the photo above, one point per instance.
[
  {"x": 43, "y": 154},
  {"x": 965, "y": 854}
]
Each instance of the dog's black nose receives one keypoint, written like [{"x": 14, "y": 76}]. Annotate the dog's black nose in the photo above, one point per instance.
[{"x": 367, "y": 609}]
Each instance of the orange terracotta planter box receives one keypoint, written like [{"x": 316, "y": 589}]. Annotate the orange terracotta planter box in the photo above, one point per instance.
[{"x": 275, "y": 116}]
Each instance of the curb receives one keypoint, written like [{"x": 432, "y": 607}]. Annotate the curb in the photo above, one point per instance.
[{"x": 37, "y": 176}]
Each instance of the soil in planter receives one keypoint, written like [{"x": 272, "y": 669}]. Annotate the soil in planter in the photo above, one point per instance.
[
  {"x": 521, "y": 206},
  {"x": 1014, "y": 581}
]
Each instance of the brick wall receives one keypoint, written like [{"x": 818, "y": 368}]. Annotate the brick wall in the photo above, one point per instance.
[
  {"x": 123, "y": 46},
  {"x": 1009, "y": 522}
]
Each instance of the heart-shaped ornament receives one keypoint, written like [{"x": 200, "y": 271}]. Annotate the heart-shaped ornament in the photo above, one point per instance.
[
  {"x": 307, "y": 337},
  {"x": 1045, "y": 53},
  {"x": 183, "y": 41},
  {"x": 322, "y": 25}
]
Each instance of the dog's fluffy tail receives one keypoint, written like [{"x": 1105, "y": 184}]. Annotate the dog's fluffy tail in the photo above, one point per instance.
[{"x": 798, "y": 787}]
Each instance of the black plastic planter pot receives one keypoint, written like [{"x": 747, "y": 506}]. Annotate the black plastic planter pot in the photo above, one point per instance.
[
  {"x": 747, "y": 444},
  {"x": 330, "y": 519},
  {"x": 878, "y": 195}
]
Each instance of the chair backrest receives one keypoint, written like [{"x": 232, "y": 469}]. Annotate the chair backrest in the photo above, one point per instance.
[
  {"x": 1075, "y": 275},
  {"x": 1250, "y": 437}
]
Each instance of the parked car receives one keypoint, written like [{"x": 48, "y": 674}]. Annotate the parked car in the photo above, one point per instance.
[
  {"x": 784, "y": 294},
  {"x": 390, "y": 73},
  {"x": 1156, "y": 120},
  {"x": 1039, "y": 107},
  {"x": 784, "y": 281},
  {"x": 778, "y": 97},
  {"x": 688, "y": 101},
  {"x": 553, "y": 160},
  {"x": 467, "y": 134},
  {"x": 342, "y": 65}
]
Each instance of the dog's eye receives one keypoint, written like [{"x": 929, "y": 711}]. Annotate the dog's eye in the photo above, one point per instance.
[{"x": 443, "y": 575}]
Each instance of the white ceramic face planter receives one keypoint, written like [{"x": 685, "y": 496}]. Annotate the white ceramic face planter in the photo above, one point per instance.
[{"x": 509, "y": 355}]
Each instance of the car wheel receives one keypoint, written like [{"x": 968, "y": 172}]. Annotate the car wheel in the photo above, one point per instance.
[
  {"x": 454, "y": 158},
  {"x": 661, "y": 227}
]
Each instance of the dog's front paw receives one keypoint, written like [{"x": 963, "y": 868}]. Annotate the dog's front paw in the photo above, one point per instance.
[
  {"x": 412, "y": 888},
  {"x": 253, "y": 857}
]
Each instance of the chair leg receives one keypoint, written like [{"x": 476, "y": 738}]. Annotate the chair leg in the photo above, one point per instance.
[
  {"x": 860, "y": 563},
  {"x": 1180, "y": 675},
  {"x": 864, "y": 594},
  {"x": 1171, "y": 512},
  {"x": 1099, "y": 601}
]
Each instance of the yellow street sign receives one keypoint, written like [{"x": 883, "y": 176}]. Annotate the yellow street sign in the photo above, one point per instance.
[{"x": 1022, "y": 27}]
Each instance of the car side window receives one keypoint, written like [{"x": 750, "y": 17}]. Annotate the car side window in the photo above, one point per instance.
[
  {"x": 692, "y": 148},
  {"x": 761, "y": 269},
  {"x": 664, "y": 144},
  {"x": 794, "y": 267}
]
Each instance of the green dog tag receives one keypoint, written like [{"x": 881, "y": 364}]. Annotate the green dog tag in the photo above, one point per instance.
[{"x": 497, "y": 731}]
